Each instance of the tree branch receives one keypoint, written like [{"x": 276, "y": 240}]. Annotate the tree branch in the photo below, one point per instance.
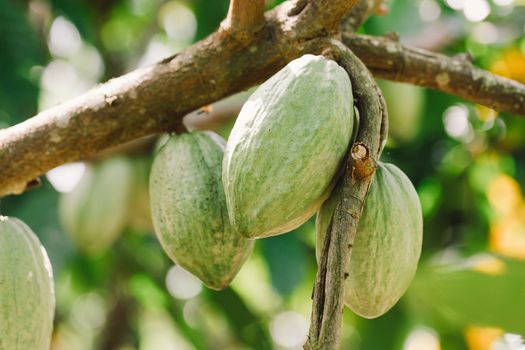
[
  {"x": 327, "y": 309},
  {"x": 153, "y": 99},
  {"x": 388, "y": 59},
  {"x": 244, "y": 17}
]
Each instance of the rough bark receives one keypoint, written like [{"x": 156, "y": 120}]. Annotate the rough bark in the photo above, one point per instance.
[
  {"x": 154, "y": 99},
  {"x": 327, "y": 309},
  {"x": 389, "y": 59}
]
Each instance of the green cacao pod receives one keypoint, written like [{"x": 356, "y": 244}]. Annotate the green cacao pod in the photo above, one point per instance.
[
  {"x": 286, "y": 147},
  {"x": 387, "y": 247},
  {"x": 95, "y": 212},
  {"x": 189, "y": 209},
  {"x": 27, "y": 298}
]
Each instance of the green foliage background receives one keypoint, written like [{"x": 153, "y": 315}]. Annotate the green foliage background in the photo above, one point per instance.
[{"x": 467, "y": 162}]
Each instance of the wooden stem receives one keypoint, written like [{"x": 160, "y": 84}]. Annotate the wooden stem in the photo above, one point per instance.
[{"x": 327, "y": 309}]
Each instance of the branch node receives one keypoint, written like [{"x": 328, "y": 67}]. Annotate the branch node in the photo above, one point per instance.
[
  {"x": 330, "y": 54},
  {"x": 111, "y": 100},
  {"x": 363, "y": 166},
  {"x": 464, "y": 57},
  {"x": 392, "y": 36},
  {"x": 359, "y": 152}
]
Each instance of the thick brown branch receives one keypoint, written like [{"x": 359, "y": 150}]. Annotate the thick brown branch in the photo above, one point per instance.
[
  {"x": 244, "y": 17},
  {"x": 151, "y": 100},
  {"x": 327, "y": 309},
  {"x": 389, "y": 59}
]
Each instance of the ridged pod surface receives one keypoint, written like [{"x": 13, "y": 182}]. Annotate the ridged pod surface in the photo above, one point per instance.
[
  {"x": 286, "y": 147},
  {"x": 387, "y": 247},
  {"x": 96, "y": 211},
  {"x": 27, "y": 298},
  {"x": 189, "y": 209}
]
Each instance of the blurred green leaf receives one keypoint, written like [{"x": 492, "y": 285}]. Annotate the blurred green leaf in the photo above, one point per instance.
[
  {"x": 209, "y": 15},
  {"x": 80, "y": 13},
  {"x": 147, "y": 284},
  {"x": 285, "y": 256},
  {"x": 457, "y": 295},
  {"x": 396, "y": 19},
  {"x": 20, "y": 50},
  {"x": 246, "y": 325},
  {"x": 392, "y": 327},
  {"x": 147, "y": 292}
]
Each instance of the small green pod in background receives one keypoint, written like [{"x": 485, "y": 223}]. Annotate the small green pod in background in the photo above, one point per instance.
[
  {"x": 96, "y": 211},
  {"x": 27, "y": 297}
]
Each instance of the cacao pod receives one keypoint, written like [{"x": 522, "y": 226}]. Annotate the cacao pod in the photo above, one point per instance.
[
  {"x": 27, "y": 298},
  {"x": 189, "y": 209},
  {"x": 388, "y": 242},
  {"x": 286, "y": 147},
  {"x": 95, "y": 212}
]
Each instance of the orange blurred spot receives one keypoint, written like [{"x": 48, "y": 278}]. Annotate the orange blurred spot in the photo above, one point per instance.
[
  {"x": 504, "y": 194},
  {"x": 489, "y": 265},
  {"x": 486, "y": 114},
  {"x": 507, "y": 237},
  {"x": 510, "y": 64},
  {"x": 481, "y": 338}
]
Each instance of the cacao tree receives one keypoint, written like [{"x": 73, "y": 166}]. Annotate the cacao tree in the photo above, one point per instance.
[{"x": 311, "y": 174}]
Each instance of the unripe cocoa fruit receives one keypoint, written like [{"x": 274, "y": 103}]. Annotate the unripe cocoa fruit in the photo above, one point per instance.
[
  {"x": 387, "y": 247},
  {"x": 27, "y": 298},
  {"x": 286, "y": 147},
  {"x": 189, "y": 209}
]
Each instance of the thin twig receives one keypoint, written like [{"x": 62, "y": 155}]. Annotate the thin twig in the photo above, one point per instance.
[
  {"x": 244, "y": 18},
  {"x": 327, "y": 310},
  {"x": 389, "y": 59}
]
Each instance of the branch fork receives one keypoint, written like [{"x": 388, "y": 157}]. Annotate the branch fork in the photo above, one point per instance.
[{"x": 245, "y": 17}]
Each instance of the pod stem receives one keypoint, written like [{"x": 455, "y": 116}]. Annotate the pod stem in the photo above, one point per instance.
[
  {"x": 179, "y": 128},
  {"x": 328, "y": 302}
]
